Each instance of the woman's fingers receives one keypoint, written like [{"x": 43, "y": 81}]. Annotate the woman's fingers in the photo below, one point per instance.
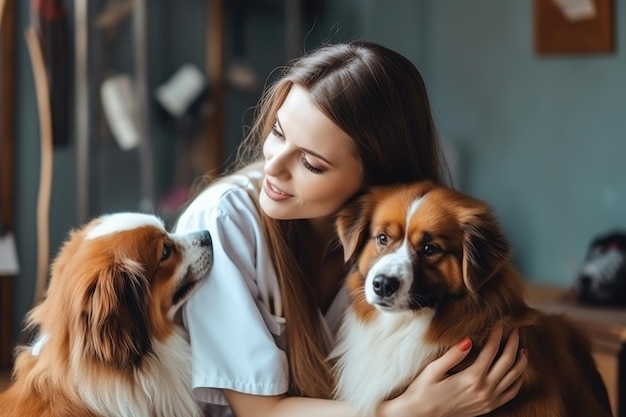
[
  {"x": 491, "y": 381},
  {"x": 509, "y": 393},
  {"x": 514, "y": 376},
  {"x": 506, "y": 360},
  {"x": 489, "y": 351},
  {"x": 440, "y": 367}
]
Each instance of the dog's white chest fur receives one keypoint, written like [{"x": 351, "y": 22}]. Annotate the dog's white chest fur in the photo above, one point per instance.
[
  {"x": 161, "y": 388},
  {"x": 377, "y": 358}
]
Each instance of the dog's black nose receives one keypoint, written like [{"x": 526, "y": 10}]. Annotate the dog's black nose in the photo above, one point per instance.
[
  {"x": 204, "y": 238},
  {"x": 385, "y": 286}
]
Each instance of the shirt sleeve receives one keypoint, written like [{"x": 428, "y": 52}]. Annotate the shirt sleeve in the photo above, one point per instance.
[{"x": 232, "y": 346}]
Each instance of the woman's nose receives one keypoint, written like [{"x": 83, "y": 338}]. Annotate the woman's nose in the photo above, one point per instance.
[{"x": 276, "y": 160}]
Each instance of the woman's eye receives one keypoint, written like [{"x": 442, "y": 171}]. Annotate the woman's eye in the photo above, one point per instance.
[
  {"x": 382, "y": 239},
  {"x": 276, "y": 131},
  {"x": 429, "y": 249},
  {"x": 310, "y": 167},
  {"x": 167, "y": 251}
]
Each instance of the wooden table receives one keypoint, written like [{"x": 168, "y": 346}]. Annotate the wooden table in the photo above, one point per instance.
[{"x": 606, "y": 327}]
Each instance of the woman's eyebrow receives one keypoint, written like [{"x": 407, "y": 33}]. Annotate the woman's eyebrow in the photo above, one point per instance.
[
  {"x": 315, "y": 154},
  {"x": 309, "y": 151}
]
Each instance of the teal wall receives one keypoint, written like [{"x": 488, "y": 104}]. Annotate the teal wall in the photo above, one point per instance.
[{"x": 539, "y": 138}]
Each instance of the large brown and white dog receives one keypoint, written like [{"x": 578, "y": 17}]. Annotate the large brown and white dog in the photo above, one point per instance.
[
  {"x": 107, "y": 343},
  {"x": 430, "y": 266}
]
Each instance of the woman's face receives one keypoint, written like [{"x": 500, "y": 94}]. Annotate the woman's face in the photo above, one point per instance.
[{"x": 310, "y": 170}]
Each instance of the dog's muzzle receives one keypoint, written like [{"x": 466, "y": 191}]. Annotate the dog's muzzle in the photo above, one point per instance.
[
  {"x": 385, "y": 286},
  {"x": 203, "y": 238}
]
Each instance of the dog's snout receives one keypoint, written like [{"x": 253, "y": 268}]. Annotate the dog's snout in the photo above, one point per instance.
[
  {"x": 385, "y": 286},
  {"x": 203, "y": 238}
]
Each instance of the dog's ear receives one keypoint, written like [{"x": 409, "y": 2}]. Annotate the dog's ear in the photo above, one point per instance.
[
  {"x": 116, "y": 325},
  {"x": 351, "y": 224},
  {"x": 485, "y": 248}
]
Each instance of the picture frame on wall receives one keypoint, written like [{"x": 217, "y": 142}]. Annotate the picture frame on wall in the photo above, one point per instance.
[{"x": 573, "y": 27}]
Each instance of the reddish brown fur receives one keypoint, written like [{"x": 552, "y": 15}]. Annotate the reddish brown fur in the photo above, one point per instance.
[
  {"x": 479, "y": 288},
  {"x": 93, "y": 332}
]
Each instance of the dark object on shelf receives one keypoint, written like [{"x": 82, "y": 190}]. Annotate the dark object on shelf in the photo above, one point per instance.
[{"x": 601, "y": 279}]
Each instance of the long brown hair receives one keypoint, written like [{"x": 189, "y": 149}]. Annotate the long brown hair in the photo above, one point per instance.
[{"x": 379, "y": 99}]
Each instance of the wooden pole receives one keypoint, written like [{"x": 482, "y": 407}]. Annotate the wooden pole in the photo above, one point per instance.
[
  {"x": 42, "y": 89},
  {"x": 215, "y": 68}
]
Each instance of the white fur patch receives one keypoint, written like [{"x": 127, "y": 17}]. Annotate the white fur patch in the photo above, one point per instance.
[
  {"x": 413, "y": 208},
  {"x": 118, "y": 222},
  {"x": 163, "y": 385},
  {"x": 378, "y": 358}
]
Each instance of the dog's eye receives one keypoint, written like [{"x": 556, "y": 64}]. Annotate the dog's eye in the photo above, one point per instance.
[
  {"x": 429, "y": 249},
  {"x": 382, "y": 239},
  {"x": 167, "y": 251}
]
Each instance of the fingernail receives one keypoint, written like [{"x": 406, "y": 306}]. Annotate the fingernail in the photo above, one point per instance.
[{"x": 465, "y": 344}]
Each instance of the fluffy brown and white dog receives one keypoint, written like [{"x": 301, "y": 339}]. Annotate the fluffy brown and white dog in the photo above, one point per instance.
[
  {"x": 107, "y": 344},
  {"x": 430, "y": 266}
]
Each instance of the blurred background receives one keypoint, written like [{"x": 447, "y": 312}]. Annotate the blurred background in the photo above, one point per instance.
[{"x": 158, "y": 93}]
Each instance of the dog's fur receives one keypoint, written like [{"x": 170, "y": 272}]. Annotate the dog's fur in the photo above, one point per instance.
[
  {"x": 107, "y": 343},
  {"x": 430, "y": 266}
]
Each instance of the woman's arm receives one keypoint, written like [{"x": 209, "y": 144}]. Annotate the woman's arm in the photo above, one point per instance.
[
  {"x": 247, "y": 405},
  {"x": 478, "y": 389}
]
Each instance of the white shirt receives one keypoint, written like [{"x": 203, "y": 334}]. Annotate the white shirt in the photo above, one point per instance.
[{"x": 236, "y": 342}]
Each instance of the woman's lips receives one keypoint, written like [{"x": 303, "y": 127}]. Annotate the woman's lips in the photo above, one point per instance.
[{"x": 274, "y": 193}]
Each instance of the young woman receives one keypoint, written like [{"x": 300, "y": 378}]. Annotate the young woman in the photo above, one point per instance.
[{"x": 339, "y": 119}]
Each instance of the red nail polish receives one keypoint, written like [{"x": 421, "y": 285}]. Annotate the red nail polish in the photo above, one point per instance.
[{"x": 465, "y": 344}]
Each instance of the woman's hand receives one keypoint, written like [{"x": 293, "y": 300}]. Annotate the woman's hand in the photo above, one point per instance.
[{"x": 482, "y": 387}]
